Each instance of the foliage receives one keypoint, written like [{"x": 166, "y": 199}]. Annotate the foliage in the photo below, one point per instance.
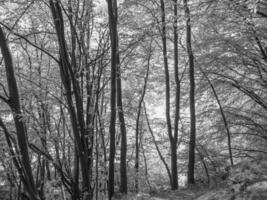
[{"x": 230, "y": 56}]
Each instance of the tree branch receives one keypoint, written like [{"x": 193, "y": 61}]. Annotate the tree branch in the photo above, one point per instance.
[
  {"x": 4, "y": 89},
  {"x": 4, "y": 99},
  {"x": 28, "y": 41}
]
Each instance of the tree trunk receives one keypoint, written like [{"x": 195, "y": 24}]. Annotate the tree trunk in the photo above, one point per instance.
[
  {"x": 167, "y": 79},
  {"x": 137, "y": 124},
  {"x": 223, "y": 118},
  {"x": 123, "y": 153},
  {"x": 177, "y": 101},
  {"x": 74, "y": 101},
  {"x": 172, "y": 138},
  {"x": 204, "y": 164},
  {"x": 192, "y": 141},
  {"x": 112, "y": 12},
  {"x": 156, "y": 145},
  {"x": 14, "y": 103}
]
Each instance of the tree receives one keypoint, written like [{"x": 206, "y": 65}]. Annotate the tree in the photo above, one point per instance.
[
  {"x": 177, "y": 99},
  {"x": 23, "y": 165},
  {"x": 172, "y": 137},
  {"x": 137, "y": 127},
  {"x": 192, "y": 142},
  {"x": 81, "y": 126},
  {"x": 223, "y": 117},
  {"x": 123, "y": 150},
  {"x": 82, "y": 73},
  {"x": 112, "y": 12}
]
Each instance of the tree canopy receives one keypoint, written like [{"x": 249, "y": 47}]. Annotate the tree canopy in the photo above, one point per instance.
[{"x": 113, "y": 99}]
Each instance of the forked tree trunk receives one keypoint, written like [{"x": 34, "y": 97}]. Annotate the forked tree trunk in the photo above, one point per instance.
[
  {"x": 74, "y": 98},
  {"x": 172, "y": 138}
]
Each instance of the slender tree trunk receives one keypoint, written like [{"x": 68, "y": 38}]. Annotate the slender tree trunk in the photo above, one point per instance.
[
  {"x": 14, "y": 103},
  {"x": 74, "y": 100},
  {"x": 177, "y": 101},
  {"x": 223, "y": 117},
  {"x": 192, "y": 141},
  {"x": 172, "y": 138},
  {"x": 167, "y": 90},
  {"x": 123, "y": 153},
  {"x": 166, "y": 69},
  {"x": 137, "y": 124},
  {"x": 204, "y": 164},
  {"x": 112, "y": 12},
  {"x": 156, "y": 145},
  {"x": 146, "y": 168},
  {"x": 136, "y": 165}
]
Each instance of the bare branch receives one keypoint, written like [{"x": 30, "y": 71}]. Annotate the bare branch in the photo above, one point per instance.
[
  {"x": 4, "y": 99},
  {"x": 31, "y": 43},
  {"x": 2, "y": 85},
  {"x": 20, "y": 16}
]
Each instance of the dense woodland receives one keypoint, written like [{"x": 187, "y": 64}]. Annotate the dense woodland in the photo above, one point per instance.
[{"x": 133, "y": 99}]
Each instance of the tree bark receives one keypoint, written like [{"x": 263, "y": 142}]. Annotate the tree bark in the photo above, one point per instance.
[
  {"x": 166, "y": 70},
  {"x": 137, "y": 124},
  {"x": 112, "y": 12},
  {"x": 192, "y": 141},
  {"x": 21, "y": 131},
  {"x": 123, "y": 153},
  {"x": 75, "y": 104},
  {"x": 156, "y": 145},
  {"x": 223, "y": 118},
  {"x": 177, "y": 101},
  {"x": 204, "y": 164},
  {"x": 172, "y": 138}
]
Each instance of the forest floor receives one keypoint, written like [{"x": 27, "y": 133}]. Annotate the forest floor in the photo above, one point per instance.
[
  {"x": 253, "y": 191},
  {"x": 245, "y": 181},
  {"x": 182, "y": 194},
  {"x": 256, "y": 191}
]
